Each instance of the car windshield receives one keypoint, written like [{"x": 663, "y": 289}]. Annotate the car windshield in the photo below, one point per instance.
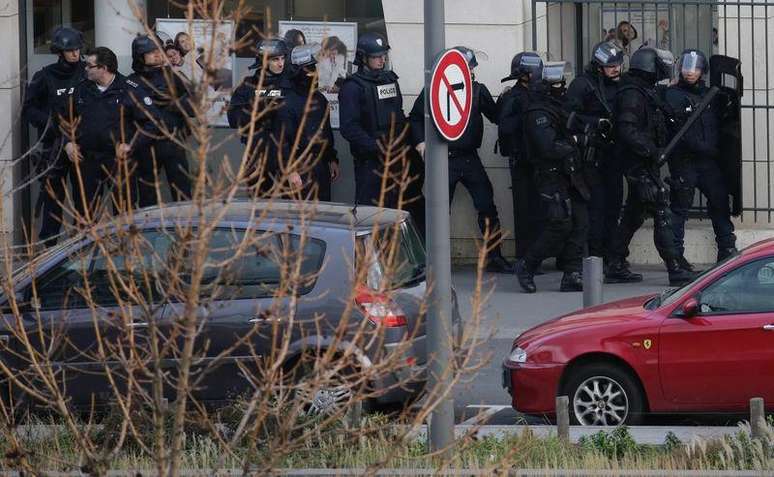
[
  {"x": 675, "y": 294},
  {"x": 394, "y": 256}
]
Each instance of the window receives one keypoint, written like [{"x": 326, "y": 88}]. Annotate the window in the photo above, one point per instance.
[
  {"x": 60, "y": 287},
  {"x": 393, "y": 254},
  {"x": 747, "y": 289}
]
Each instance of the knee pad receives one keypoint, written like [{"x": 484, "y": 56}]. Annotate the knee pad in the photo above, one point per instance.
[{"x": 662, "y": 218}]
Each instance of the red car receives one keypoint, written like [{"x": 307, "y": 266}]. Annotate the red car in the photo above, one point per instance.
[{"x": 704, "y": 348}]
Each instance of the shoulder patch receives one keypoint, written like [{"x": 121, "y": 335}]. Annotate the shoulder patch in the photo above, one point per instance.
[
  {"x": 541, "y": 121},
  {"x": 147, "y": 100},
  {"x": 132, "y": 83}
]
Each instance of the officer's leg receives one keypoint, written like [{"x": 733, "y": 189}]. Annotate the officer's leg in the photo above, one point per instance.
[
  {"x": 664, "y": 239},
  {"x": 572, "y": 253},
  {"x": 52, "y": 196},
  {"x": 476, "y": 181},
  {"x": 146, "y": 174},
  {"x": 455, "y": 174},
  {"x": 683, "y": 182},
  {"x": 527, "y": 213},
  {"x": 322, "y": 181},
  {"x": 368, "y": 181},
  {"x": 711, "y": 183},
  {"x": 175, "y": 162},
  {"x": 632, "y": 219},
  {"x": 414, "y": 197},
  {"x": 86, "y": 181},
  {"x": 612, "y": 183},
  {"x": 596, "y": 214}
]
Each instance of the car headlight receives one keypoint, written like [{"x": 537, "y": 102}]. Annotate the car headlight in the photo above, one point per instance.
[{"x": 518, "y": 355}]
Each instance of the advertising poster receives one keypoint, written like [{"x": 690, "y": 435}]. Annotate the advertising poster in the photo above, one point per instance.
[
  {"x": 197, "y": 37},
  {"x": 338, "y": 41}
]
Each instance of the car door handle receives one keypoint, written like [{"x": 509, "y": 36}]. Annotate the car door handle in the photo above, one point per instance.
[
  {"x": 263, "y": 317},
  {"x": 138, "y": 324},
  {"x": 768, "y": 327}
]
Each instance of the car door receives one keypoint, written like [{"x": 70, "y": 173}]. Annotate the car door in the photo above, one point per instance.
[
  {"x": 67, "y": 324},
  {"x": 724, "y": 355}
]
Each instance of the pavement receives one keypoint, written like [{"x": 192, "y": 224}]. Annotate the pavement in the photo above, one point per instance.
[{"x": 507, "y": 313}]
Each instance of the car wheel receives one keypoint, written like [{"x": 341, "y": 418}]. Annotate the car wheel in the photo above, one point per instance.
[
  {"x": 604, "y": 395},
  {"x": 325, "y": 394}
]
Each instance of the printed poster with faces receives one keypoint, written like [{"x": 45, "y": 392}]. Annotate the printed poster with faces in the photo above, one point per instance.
[
  {"x": 192, "y": 63},
  {"x": 338, "y": 41}
]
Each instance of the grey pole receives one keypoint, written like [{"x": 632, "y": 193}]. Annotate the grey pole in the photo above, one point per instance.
[
  {"x": 592, "y": 281},
  {"x": 438, "y": 248}
]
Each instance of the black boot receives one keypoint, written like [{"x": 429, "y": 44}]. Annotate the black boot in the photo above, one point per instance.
[
  {"x": 618, "y": 272},
  {"x": 678, "y": 276},
  {"x": 571, "y": 282},
  {"x": 496, "y": 263},
  {"x": 685, "y": 264},
  {"x": 724, "y": 253},
  {"x": 525, "y": 276}
]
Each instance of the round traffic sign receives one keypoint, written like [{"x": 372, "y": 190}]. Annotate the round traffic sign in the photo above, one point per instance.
[{"x": 451, "y": 95}]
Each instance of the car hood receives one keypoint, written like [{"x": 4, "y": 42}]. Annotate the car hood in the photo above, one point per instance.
[{"x": 618, "y": 312}]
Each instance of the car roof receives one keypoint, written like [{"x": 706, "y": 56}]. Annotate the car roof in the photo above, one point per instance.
[
  {"x": 759, "y": 248},
  {"x": 323, "y": 214}
]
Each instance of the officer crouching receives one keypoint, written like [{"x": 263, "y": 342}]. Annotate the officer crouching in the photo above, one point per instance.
[{"x": 106, "y": 109}]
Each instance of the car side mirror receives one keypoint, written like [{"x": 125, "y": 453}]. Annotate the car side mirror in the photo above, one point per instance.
[{"x": 690, "y": 308}]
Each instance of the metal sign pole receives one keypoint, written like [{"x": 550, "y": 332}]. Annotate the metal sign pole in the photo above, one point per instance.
[{"x": 439, "y": 319}]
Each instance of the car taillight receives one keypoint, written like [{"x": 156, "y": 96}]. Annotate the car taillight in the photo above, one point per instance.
[{"x": 380, "y": 309}]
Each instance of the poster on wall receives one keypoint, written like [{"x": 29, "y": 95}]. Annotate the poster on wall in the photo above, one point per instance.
[
  {"x": 338, "y": 41},
  {"x": 191, "y": 65}
]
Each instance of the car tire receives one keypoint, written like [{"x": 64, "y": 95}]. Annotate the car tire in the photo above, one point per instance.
[
  {"x": 604, "y": 394},
  {"x": 331, "y": 397}
]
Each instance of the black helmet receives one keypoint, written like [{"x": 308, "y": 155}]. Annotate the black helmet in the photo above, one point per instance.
[
  {"x": 654, "y": 63},
  {"x": 692, "y": 60},
  {"x": 304, "y": 55},
  {"x": 607, "y": 53},
  {"x": 66, "y": 38},
  {"x": 370, "y": 44},
  {"x": 469, "y": 55},
  {"x": 141, "y": 45},
  {"x": 527, "y": 62},
  {"x": 270, "y": 48}
]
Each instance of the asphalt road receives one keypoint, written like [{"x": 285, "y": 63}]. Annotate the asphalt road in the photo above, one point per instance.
[{"x": 507, "y": 313}]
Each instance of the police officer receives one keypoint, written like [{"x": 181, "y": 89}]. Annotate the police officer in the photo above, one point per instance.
[
  {"x": 306, "y": 117},
  {"x": 554, "y": 154},
  {"x": 103, "y": 104},
  {"x": 47, "y": 94},
  {"x": 170, "y": 94},
  {"x": 269, "y": 82},
  {"x": 591, "y": 96},
  {"x": 694, "y": 163},
  {"x": 640, "y": 132},
  {"x": 465, "y": 164},
  {"x": 372, "y": 120},
  {"x": 511, "y": 105}
]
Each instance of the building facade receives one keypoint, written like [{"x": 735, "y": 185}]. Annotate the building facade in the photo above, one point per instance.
[{"x": 496, "y": 28}]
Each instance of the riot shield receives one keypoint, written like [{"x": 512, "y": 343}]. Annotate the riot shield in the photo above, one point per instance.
[{"x": 726, "y": 74}]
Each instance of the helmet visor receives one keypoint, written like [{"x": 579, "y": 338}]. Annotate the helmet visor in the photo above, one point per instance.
[
  {"x": 692, "y": 63},
  {"x": 555, "y": 71},
  {"x": 665, "y": 64},
  {"x": 305, "y": 55},
  {"x": 608, "y": 55}
]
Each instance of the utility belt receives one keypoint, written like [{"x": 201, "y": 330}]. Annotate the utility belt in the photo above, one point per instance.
[{"x": 457, "y": 153}]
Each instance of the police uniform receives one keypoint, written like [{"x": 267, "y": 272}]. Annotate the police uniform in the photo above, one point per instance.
[
  {"x": 102, "y": 115},
  {"x": 50, "y": 91},
  {"x": 169, "y": 93},
  {"x": 694, "y": 165}
]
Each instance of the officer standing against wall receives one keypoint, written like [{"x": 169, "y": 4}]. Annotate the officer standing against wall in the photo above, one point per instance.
[
  {"x": 372, "y": 120},
  {"x": 49, "y": 93},
  {"x": 555, "y": 156},
  {"x": 465, "y": 164},
  {"x": 694, "y": 163},
  {"x": 640, "y": 133},
  {"x": 591, "y": 96},
  {"x": 511, "y": 106},
  {"x": 169, "y": 93},
  {"x": 269, "y": 83}
]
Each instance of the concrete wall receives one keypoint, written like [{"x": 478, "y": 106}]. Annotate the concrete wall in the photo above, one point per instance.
[{"x": 10, "y": 109}]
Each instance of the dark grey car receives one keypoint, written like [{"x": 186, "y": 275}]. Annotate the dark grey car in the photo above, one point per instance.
[{"x": 333, "y": 238}]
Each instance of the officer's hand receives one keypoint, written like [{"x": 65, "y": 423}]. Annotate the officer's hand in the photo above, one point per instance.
[
  {"x": 421, "y": 149},
  {"x": 295, "y": 180},
  {"x": 335, "y": 171},
  {"x": 72, "y": 150}
]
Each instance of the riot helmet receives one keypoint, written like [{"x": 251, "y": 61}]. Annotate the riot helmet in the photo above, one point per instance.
[
  {"x": 692, "y": 65},
  {"x": 269, "y": 48},
  {"x": 607, "y": 53},
  {"x": 527, "y": 62},
  {"x": 652, "y": 64},
  {"x": 370, "y": 44},
  {"x": 66, "y": 39},
  {"x": 554, "y": 77},
  {"x": 141, "y": 45},
  {"x": 303, "y": 59},
  {"x": 469, "y": 55}
]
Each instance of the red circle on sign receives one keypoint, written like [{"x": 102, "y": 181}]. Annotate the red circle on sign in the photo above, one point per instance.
[{"x": 451, "y": 95}]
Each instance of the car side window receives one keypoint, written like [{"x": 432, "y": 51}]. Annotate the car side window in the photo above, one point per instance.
[
  {"x": 61, "y": 287},
  {"x": 747, "y": 289}
]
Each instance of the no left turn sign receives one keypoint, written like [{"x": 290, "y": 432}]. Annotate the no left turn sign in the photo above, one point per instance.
[{"x": 451, "y": 95}]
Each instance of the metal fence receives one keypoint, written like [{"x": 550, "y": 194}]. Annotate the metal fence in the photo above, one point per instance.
[{"x": 568, "y": 30}]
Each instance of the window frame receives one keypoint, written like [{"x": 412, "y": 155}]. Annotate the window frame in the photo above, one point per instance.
[{"x": 698, "y": 296}]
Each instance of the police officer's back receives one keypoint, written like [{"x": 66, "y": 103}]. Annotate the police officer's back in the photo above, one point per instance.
[
  {"x": 170, "y": 94},
  {"x": 465, "y": 164},
  {"x": 48, "y": 93},
  {"x": 694, "y": 162},
  {"x": 640, "y": 132}
]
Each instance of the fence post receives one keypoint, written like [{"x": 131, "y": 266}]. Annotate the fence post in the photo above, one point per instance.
[
  {"x": 563, "y": 418},
  {"x": 592, "y": 281},
  {"x": 757, "y": 418}
]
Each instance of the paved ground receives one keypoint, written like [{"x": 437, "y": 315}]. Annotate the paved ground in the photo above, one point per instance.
[{"x": 509, "y": 312}]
